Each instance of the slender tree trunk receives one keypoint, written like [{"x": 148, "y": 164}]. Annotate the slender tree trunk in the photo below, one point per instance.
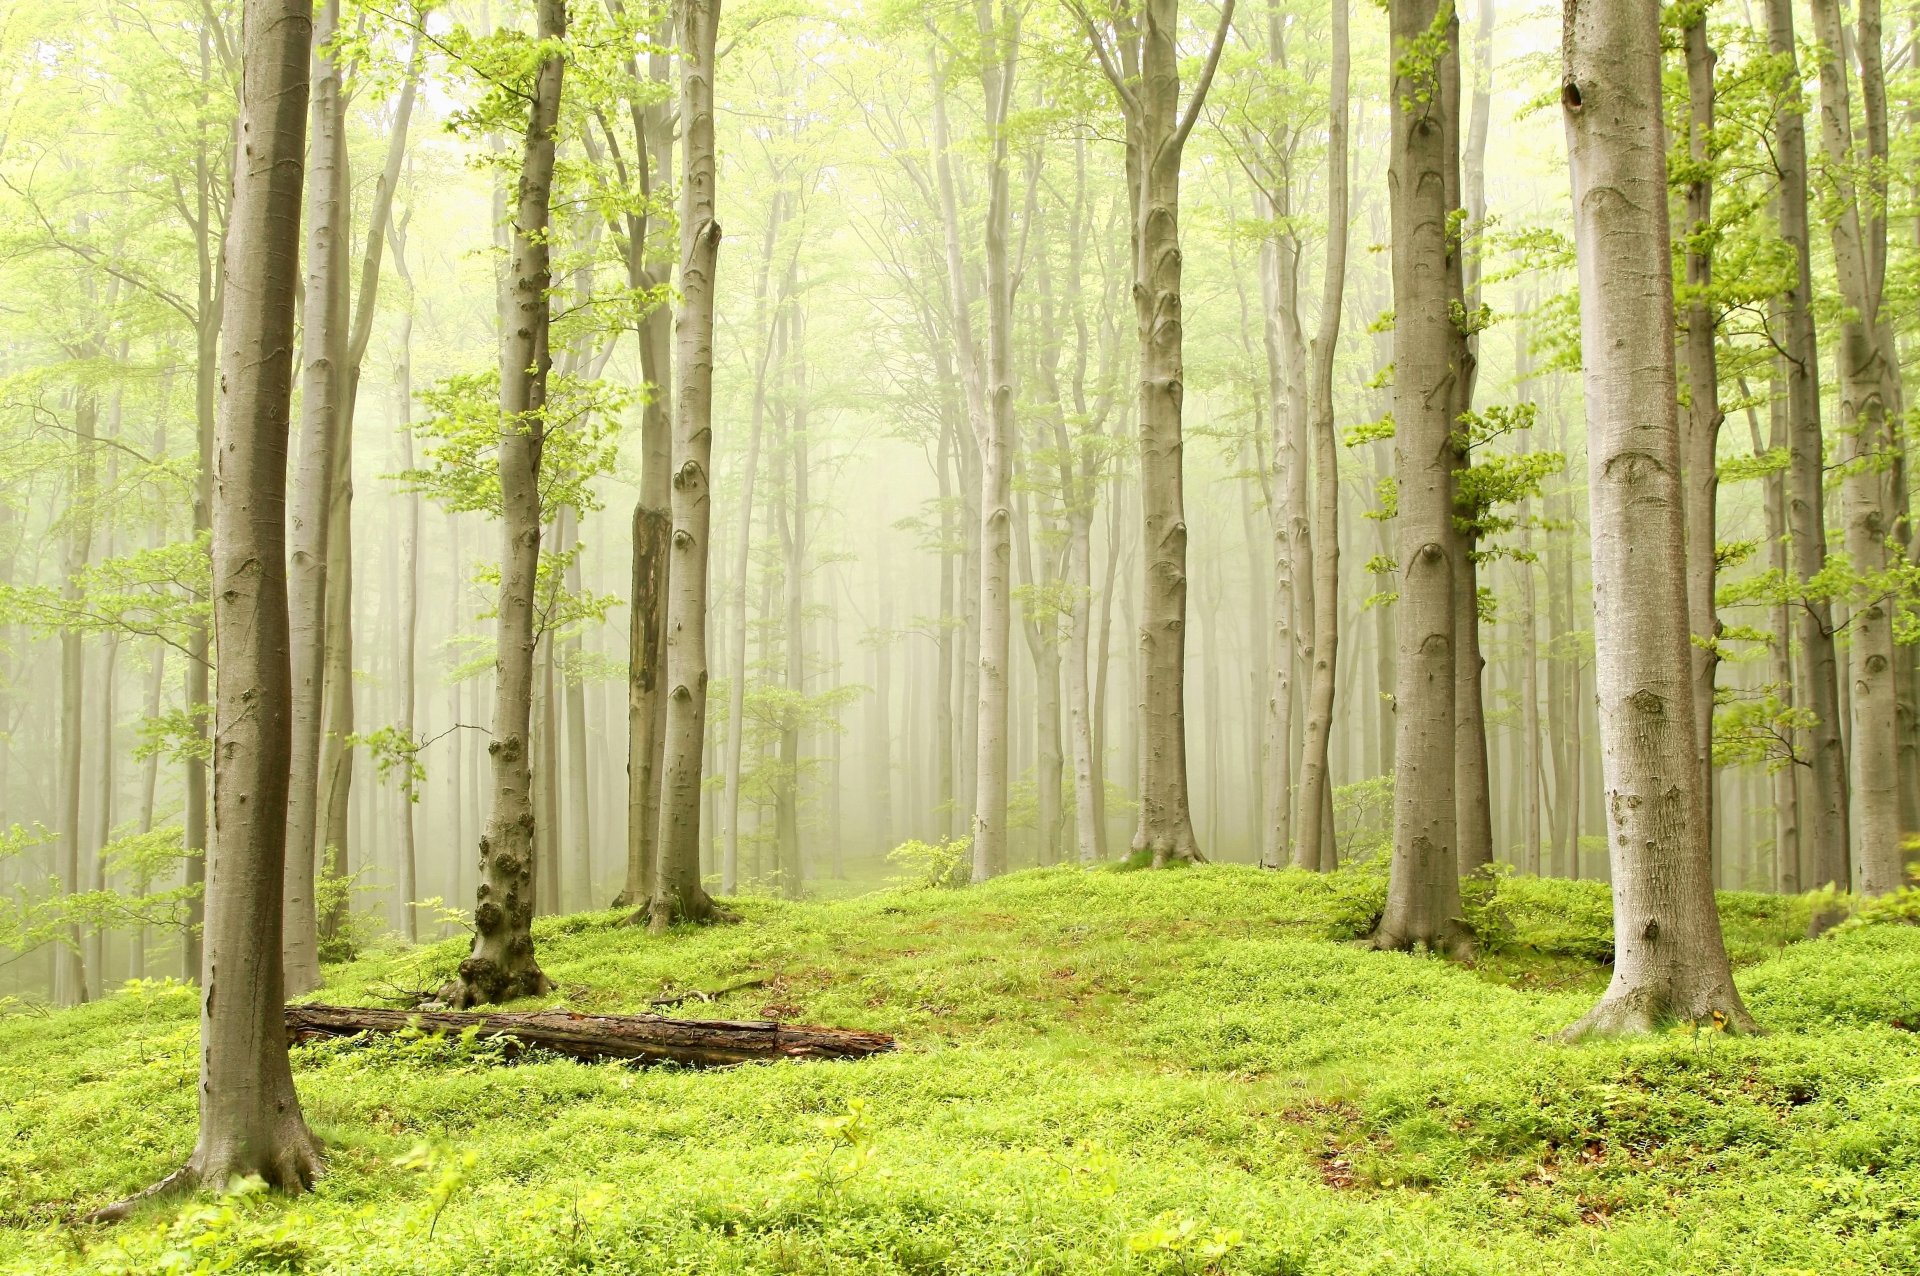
[
  {"x": 1824, "y": 837},
  {"x": 1316, "y": 831},
  {"x": 1423, "y": 897},
  {"x": 1156, "y": 137},
  {"x": 1782, "y": 774},
  {"x": 678, "y": 893},
  {"x": 792, "y": 518},
  {"x": 770, "y": 325},
  {"x": 997, "y": 445},
  {"x": 501, "y": 966},
  {"x": 250, "y": 1119},
  {"x": 1670, "y": 961},
  {"x": 323, "y": 351},
  {"x": 1701, "y": 445},
  {"x": 409, "y": 608},
  {"x": 1866, "y": 371},
  {"x": 71, "y": 974}
]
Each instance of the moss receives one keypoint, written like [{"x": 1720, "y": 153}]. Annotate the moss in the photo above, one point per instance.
[{"x": 1089, "y": 1057}]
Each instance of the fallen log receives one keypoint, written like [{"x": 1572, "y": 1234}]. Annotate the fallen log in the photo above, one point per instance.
[{"x": 693, "y": 1043}]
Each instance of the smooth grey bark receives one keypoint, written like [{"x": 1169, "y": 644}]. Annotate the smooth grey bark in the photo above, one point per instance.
[
  {"x": 322, "y": 384},
  {"x": 791, "y": 517},
  {"x": 1315, "y": 842},
  {"x": 250, "y": 1119},
  {"x": 1823, "y": 816},
  {"x": 1280, "y": 297},
  {"x": 1784, "y": 780},
  {"x": 1700, "y": 445},
  {"x": 770, "y": 352},
  {"x": 70, "y": 965},
  {"x": 1868, "y": 368},
  {"x": 1147, "y": 80},
  {"x": 1423, "y": 895},
  {"x": 1670, "y": 961},
  {"x": 1000, "y": 40},
  {"x": 406, "y": 694},
  {"x": 501, "y": 965},
  {"x": 678, "y": 893}
]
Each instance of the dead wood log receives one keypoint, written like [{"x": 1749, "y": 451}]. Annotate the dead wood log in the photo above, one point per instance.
[{"x": 693, "y": 1043}]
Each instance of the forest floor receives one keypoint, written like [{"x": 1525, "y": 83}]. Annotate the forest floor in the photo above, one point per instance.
[{"x": 1185, "y": 1071}]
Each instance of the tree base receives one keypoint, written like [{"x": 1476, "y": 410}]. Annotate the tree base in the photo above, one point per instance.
[
  {"x": 1160, "y": 852},
  {"x": 482, "y": 981},
  {"x": 294, "y": 1165},
  {"x": 1451, "y": 939},
  {"x": 1639, "y": 1013},
  {"x": 667, "y": 910}
]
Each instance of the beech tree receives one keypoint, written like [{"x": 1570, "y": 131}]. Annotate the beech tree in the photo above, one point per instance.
[
  {"x": 250, "y": 1118},
  {"x": 678, "y": 893},
  {"x": 1429, "y": 358},
  {"x": 1138, "y": 52},
  {"x": 502, "y": 966},
  {"x": 1670, "y": 961}
]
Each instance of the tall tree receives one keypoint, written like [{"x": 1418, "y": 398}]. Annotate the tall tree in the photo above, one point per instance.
[
  {"x": 250, "y": 1118},
  {"x": 1139, "y": 55},
  {"x": 678, "y": 893},
  {"x": 322, "y": 383},
  {"x": 1868, "y": 384},
  {"x": 1315, "y": 832},
  {"x": 1670, "y": 961},
  {"x": 501, "y": 965},
  {"x": 1423, "y": 895},
  {"x": 1823, "y": 814}
]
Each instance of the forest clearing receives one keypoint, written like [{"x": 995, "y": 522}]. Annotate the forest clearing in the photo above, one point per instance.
[{"x": 1265, "y": 1096}]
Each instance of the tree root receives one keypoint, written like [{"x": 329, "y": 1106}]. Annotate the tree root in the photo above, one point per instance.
[
  {"x": 1452, "y": 940},
  {"x": 1638, "y": 1012},
  {"x": 295, "y": 1164}
]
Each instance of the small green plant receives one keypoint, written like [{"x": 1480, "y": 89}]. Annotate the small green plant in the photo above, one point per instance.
[
  {"x": 1175, "y": 1243},
  {"x": 941, "y": 866},
  {"x": 449, "y": 1171},
  {"x": 218, "y": 1236},
  {"x": 846, "y": 1150}
]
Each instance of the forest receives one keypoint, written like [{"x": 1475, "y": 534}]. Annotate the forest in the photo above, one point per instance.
[{"x": 982, "y": 636}]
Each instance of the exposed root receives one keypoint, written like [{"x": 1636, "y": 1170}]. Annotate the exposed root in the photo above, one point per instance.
[
  {"x": 1452, "y": 939},
  {"x": 1637, "y": 1012},
  {"x": 296, "y": 1162},
  {"x": 701, "y": 910},
  {"x": 483, "y": 982}
]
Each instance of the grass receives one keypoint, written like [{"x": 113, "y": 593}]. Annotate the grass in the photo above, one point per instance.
[{"x": 1185, "y": 1071}]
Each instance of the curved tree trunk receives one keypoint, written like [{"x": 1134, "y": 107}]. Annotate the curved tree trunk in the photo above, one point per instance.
[
  {"x": 1670, "y": 961},
  {"x": 501, "y": 965}
]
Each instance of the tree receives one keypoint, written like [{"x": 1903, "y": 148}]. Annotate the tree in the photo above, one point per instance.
[
  {"x": 323, "y": 351},
  {"x": 678, "y": 894},
  {"x": 1139, "y": 56},
  {"x": 1429, "y": 352},
  {"x": 250, "y": 1118},
  {"x": 502, "y": 966},
  {"x": 1670, "y": 961},
  {"x": 1315, "y": 835},
  {"x": 1823, "y": 812},
  {"x": 1869, "y": 385}
]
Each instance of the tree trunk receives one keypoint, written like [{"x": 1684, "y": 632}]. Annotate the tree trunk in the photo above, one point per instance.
[
  {"x": 1670, "y": 961},
  {"x": 250, "y": 1119},
  {"x": 1866, "y": 372},
  {"x": 678, "y": 893},
  {"x": 1423, "y": 897},
  {"x": 1824, "y": 837},
  {"x": 1156, "y": 138},
  {"x": 793, "y": 531},
  {"x": 1701, "y": 445},
  {"x": 1316, "y": 831},
  {"x": 70, "y": 970},
  {"x": 409, "y": 607},
  {"x": 1783, "y": 774},
  {"x": 323, "y": 352},
  {"x": 997, "y": 445},
  {"x": 501, "y": 965},
  {"x": 775, "y": 334}
]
